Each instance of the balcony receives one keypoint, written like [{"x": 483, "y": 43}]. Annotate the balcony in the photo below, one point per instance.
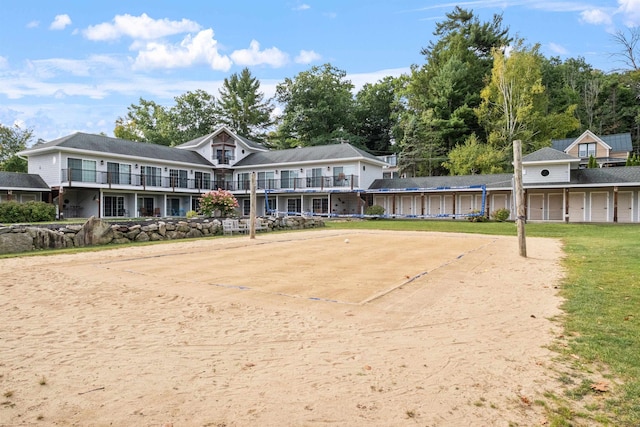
[
  {"x": 100, "y": 179},
  {"x": 311, "y": 183}
]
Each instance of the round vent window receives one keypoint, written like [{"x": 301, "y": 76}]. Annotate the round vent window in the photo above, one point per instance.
[{"x": 544, "y": 172}]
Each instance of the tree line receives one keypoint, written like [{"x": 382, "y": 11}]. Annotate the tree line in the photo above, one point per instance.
[{"x": 478, "y": 89}]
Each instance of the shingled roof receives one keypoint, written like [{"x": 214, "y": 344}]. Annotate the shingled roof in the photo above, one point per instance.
[
  {"x": 105, "y": 144},
  {"x": 501, "y": 180},
  {"x": 22, "y": 181},
  {"x": 332, "y": 152},
  {"x": 548, "y": 154},
  {"x": 617, "y": 142}
]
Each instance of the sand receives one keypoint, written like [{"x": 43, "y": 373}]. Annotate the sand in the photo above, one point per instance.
[{"x": 316, "y": 328}]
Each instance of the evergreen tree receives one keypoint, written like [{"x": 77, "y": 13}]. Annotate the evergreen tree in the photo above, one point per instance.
[{"x": 242, "y": 106}]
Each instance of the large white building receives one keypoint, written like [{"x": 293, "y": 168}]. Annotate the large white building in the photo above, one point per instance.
[{"x": 113, "y": 178}]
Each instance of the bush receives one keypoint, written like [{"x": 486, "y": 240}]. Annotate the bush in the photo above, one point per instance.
[
  {"x": 191, "y": 214},
  {"x": 12, "y": 212},
  {"x": 374, "y": 210},
  {"x": 501, "y": 215},
  {"x": 218, "y": 200},
  {"x": 476, "y": 216}
]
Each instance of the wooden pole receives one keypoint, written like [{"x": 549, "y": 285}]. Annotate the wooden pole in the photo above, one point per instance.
[
  {"x": 252, "y": 207},
  {"x": 520, "y": 204}
]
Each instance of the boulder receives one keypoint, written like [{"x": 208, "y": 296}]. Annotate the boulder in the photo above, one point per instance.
[
  {"x": 15, "y": 242},
  {"x": 94, "y": 232}
]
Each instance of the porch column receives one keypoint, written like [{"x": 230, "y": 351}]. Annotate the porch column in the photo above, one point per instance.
[
  {"x": 566, "y": 205},
  {"x": 615, "y": 204}
]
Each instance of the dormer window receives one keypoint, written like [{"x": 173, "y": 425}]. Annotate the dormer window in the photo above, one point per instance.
[{"x": 587, "y": 150}]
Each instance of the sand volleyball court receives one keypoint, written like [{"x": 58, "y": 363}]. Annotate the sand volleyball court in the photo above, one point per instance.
[{"x": 311, "y": 328}]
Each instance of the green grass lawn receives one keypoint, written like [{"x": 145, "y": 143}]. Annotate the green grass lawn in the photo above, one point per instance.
[{"x": 602, "y": 320}]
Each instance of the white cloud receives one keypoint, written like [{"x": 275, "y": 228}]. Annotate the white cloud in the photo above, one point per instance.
[
  {"x": 360, "y": 79},
  {"x": 254, "y": 56},
  {"x": 139, "y": 27},
  {"x": 4, "y": 63},
  {"x": 558, "y": 49},
  {"x": 60, "y": 22},
  {"x": 192, "y": 50},
  {"x": 596, "y": 17},
  {"x": 630, "y": 9},
  {"x": 307, "y": 57},
  {"x": 303, "y": 6},
  {"x": 33, "y": 24}
]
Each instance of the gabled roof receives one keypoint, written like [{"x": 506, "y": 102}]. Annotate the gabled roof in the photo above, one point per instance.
[
  {"x": 332, "y": 152},
  {"x": 22, "y": 181},
  {"x": 548, "y": 154},
  {"x": 105, "y": 144},
  {"x": 501, "y": 180},
  {"x": 198, "y": 141},
  {"x": 617, "y": 142}
]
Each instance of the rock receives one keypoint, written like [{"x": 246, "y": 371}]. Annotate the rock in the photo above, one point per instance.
[
  {"x": 15, "y": 242},
  {"x": 94, "y": 232}
]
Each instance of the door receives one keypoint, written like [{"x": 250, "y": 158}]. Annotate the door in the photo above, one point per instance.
[
  {"x": 465, "y": 204},
  {"x": 434, "y": 206},
  {"x": 448, "y": 205},
  {"x": 599, "y": 207},
  {"x": 536, "y": 207},
  {"x": 556, "y": 207},
  {"x": 406, "y": 205},
  {"x": 625, "y": 206},
  {"x": 576, "y": 207}
]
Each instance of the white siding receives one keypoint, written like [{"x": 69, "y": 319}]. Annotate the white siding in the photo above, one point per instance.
[
  {"x": 557, "y": 173},
  {"x": 48, "y": 167}
]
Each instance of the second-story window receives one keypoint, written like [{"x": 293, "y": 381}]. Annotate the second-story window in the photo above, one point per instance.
[
  {"x": 178, "y": 178},
  {"x": 118, "y": 173},
  {"x": 224, "y": 156},
  {"x": 203, "y": 181},
  {"x": 151, "y": 175},
  {"x": 266, "y": 180},
  {"x": 587, "y": 150},
  {"x": 243, "y": 181},
  {"x": 82, "y": 170},
  {"x": 288, "y": 178}
]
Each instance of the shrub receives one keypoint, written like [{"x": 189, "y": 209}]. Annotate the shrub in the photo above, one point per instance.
[
  {"x": 218, "y": 200},
  {"x": 12, "y": 212},
  {"x": 501, "y": 215},
  {"x": 192, "y": 214},
  {"x": 374, "y": 210},
  {"x": 476, "y": 216}
]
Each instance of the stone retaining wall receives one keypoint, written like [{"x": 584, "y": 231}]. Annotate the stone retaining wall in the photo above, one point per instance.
[{"x": 23, "y": 238}]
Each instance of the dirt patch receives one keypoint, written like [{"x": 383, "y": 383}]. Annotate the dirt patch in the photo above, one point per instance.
[{"x": 307, "y": 328}]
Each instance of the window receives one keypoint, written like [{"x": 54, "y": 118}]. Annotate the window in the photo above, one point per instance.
[
  {"x": 224, "y": 157},
  {"x": 320, "y": 206},
  {"x": 246, "y": 207},
  {"x": 293, "y": 206},
  {"x": 544, "y": 172},
  {"x": 316, "y": 178},
  {"x": 114, "y": 206},
  {"x": 28, "y": 198},
  {"x": 178, "y": 178},
  {"x": 118, "y": 173},
  {"x": 266, "y": 180},
  {"x": 151, "y": 176},
  {"x": 203, "y": 180},
  {"x": 288, "y": 178},
  {"x": 587, "y": 150},
  {"x": 82, "y": 170},
  {"x": 243, "y": 181}
]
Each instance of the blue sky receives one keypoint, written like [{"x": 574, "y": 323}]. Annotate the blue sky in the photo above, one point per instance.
[{"x": 75, "y": 65}]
